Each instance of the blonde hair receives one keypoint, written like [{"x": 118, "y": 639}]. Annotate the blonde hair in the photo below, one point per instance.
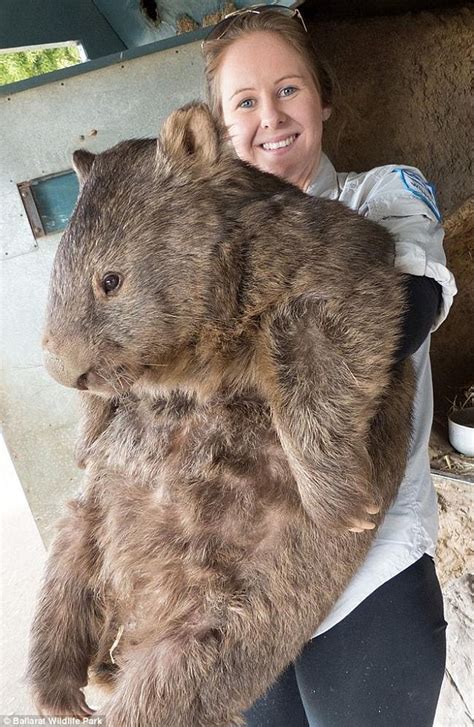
[{"x": 288, "y": 28}]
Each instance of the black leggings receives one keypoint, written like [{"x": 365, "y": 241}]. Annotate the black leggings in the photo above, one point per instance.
[{"x": 381, "y": 666}]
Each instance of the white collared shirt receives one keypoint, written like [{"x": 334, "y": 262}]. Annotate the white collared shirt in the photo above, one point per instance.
[{"x": 399, "y": 198}]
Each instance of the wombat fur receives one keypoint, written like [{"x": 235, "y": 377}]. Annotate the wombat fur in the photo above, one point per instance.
[{"x": 233, "y": 341}]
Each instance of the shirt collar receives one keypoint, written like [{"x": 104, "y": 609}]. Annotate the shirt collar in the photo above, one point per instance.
[{"x": 324, "y": 182}]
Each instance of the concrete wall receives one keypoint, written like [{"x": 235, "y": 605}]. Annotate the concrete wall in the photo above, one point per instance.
[{"x": 41, "y": 128}]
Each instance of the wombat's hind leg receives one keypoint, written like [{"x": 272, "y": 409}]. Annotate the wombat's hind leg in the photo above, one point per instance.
[
  {"x": 65, "y": 631},
  {"x": 72, "y": 704}
]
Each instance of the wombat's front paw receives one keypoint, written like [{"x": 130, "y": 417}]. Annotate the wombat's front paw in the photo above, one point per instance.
[
  {"x": 352, "y": 508},
  {"x": 358, "y": 501},
  {"x": 359, "y": 524},
  {"x": 358, "y": 513},
  {"x": 64, "y": 701}
]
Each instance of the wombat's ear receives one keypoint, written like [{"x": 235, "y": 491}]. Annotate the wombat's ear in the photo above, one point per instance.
[
  {"x": 190, "y": 135},
  {"x": 82, "y": 162}
]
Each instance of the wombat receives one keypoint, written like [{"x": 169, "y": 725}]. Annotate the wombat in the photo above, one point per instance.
[{"x": 233, "y": 341}]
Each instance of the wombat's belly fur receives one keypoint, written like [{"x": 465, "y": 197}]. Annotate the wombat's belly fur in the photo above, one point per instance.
[
  {"x": 193, "y": 547},
  {"x": 242, "y": 407}
]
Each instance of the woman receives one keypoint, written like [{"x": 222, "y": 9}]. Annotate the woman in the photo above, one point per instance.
[{"x": 378, "y": 659}]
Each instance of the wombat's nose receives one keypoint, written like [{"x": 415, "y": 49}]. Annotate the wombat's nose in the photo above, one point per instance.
[
  {"x": 64, "y": 371},
  {"x": 81, "y": 382}
]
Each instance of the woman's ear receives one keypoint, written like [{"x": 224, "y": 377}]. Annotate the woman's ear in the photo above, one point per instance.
[
  {"x": 326, "y": 113},
  {"x": 190, "y": 135},
  {"x": 82, "y": 162}
]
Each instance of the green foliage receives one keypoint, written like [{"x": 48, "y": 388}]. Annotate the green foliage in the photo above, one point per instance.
[{"x": 23, "y": 64}]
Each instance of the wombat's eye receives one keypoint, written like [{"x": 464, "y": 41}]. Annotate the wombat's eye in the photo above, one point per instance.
[{"x": 111, "y": 282}]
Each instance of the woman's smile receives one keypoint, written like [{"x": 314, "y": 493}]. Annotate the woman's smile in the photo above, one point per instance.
[{"x": 279, "y": 145}]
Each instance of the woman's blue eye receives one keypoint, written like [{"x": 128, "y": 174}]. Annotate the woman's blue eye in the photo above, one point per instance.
[
  {"x": 246, "y": 103},
  {"x": 288, "y": 91}
]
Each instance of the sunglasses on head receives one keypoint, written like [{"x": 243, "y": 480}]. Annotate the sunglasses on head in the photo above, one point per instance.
[{"x": 219, "y": 30}]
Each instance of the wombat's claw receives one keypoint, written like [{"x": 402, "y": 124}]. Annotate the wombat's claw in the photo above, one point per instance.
[
  {"x": 359, "y": 526},
  {"x": 85, "y": 710},
  {"x": 76, "y": 707}
]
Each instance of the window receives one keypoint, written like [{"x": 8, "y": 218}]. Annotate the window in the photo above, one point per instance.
[
  {"x": 49, "y": 201},
  {"x": 16, "y": 64}
]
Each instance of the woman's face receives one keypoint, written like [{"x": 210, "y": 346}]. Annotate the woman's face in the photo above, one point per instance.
[{"x": 271, "y": 107}]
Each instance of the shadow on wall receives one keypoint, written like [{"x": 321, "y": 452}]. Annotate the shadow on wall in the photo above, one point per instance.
[
  {"x": 404, "y": 95},
  {"x": 452, "y": 347}
]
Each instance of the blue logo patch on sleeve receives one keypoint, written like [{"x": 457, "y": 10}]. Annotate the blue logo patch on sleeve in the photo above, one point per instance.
[{"x": 420, "y": 188}]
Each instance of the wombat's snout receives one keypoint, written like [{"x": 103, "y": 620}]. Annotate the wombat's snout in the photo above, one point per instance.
[
  {"x": 73, "y": 363},
  {"x": 64, "y": 363},
  {"x": 58, "y": 369}
]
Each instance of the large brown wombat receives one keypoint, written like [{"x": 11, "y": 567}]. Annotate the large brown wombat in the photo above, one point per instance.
[{"x": 234, "y": 342}]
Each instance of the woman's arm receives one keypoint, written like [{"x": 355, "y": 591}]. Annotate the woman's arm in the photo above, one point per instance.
[
  {"x": 400, "y": 199},
  {"x": 424, "y": 299}
]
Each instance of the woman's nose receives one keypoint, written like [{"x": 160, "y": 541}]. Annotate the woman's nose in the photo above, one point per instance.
[{"x": 271, "y": 115}]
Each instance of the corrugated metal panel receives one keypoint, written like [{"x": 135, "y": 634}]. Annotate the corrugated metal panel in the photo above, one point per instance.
[{"x": 138, "y": 22}]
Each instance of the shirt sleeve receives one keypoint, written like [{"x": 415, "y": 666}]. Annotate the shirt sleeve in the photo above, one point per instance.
[{"x": 403, "y": 201}]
